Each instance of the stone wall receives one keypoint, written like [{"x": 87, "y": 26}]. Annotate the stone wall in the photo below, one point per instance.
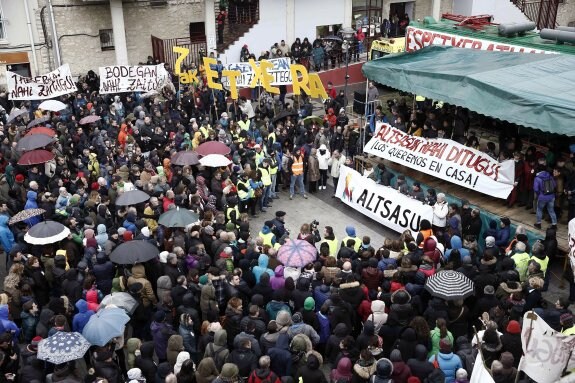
[
  {"x": 78, "y": 24},
  {"x": 566, "y": 13}
]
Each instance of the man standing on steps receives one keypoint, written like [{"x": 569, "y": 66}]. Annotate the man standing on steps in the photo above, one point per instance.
[{"x": 221, "y": 21}]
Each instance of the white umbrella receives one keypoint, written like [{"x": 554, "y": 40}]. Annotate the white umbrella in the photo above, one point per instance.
[
  {"x": 215, "y": 161},
  {"x": 52, "y": 105}
]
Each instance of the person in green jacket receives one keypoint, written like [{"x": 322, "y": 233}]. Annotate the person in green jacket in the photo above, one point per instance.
[{"x": 437, "y": 334}]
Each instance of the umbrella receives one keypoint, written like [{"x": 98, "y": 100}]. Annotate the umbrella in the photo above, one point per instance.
[
  {"x": 34, "y": 141},
  {"x": 89, "y": 120},
  {"x": 132, "y": 197},
  {"x": 38, "y": 121},
  {"x": 62, "y": 347},
  {"x": 15, "y": 113},
  {"x": 313, "y": 119},
  {"x": 121, "y": 300},
  {"x": 23, "y": 215},
  {"x": 52, "y": 105},
  {"x": 41, "y": 130},
  {"x": 45, "y": 233},
  {"x": 35, "y": 157},
  {"x": 186, "y": 157},
  {"x": 178, "y": 218},
  {"x": 215, "y": 161},
  {"x": 449, "y": 285},
  {"x": 333, "y": 38},
  {"x": 297, "y": 253},
  {"x": 105, "y": 325},
  {"x": 213, "y": 147},
  {"x": 284, "y": 114},
  {"x": 132, "y": 252}
]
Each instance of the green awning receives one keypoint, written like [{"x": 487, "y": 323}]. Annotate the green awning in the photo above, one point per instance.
[{"x": 533, "y": 90}]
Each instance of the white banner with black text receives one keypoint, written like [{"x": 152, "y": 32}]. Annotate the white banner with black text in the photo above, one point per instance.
[
  {"x": 445, "y": 159},
  {"x": 381, "y": 203},
  {"x": 139, "y": 78},
  {"x": 56, "y": 83}
]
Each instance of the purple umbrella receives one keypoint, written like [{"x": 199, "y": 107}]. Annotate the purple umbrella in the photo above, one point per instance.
[{"x": 297, "y": 253}]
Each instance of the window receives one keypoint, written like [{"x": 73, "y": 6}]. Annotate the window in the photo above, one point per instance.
[
  {"x": 3, "y": 36},
  {"x": 107, "y": 39}
]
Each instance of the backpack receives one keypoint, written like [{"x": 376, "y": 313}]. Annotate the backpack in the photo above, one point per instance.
[
  {"x": 219, "y": 359},
  {"x": 548, "y": 186},
  {"x": 271, "y": 378}
]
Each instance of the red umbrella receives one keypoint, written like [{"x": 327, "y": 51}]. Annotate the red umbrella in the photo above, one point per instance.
[
  {"x": 213, "y": 147},
  {"x": 41, "y": 130},
  {"x": 89, "y": 120},
  {"x": 35, "y": 157}
]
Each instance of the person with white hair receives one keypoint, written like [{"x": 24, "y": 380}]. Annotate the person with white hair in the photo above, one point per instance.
[{"x": 440, "y": 210}]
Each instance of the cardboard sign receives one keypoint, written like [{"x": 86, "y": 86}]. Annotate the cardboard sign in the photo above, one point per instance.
[
  {"x": 417, "y": 38},
  {"x": 445, "y": 159},
  {"x": 139, "y": 78},
  {"x": 56, "y": 83},
  {"x": 381, "y": 203}
]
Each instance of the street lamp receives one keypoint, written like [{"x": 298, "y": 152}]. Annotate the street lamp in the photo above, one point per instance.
[{"x": 347, "y": 34}]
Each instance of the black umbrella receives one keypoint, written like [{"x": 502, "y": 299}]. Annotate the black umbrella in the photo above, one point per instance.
[
  {"x": 15, "y": 113},
  {"x": 132, "y": 197},
  {"x": 38, "y": 121},
  {"x": 333, "y": 38},
  {"x": 132, "y": 252},
  {"x": 34, "y": 141},
  {"x": 285, "y": 114},
  {"x": 178, "y": 218}
]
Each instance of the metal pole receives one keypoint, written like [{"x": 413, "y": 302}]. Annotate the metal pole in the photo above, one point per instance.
[
  {"x": 346, "y": 72},
  {"x": 365, "y": 127},
  {"x": 54, "y": 33},
  {"x": 31, "y": 36}
]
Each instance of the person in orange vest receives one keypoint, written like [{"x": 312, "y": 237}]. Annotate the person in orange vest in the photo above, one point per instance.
[{"x": 295, "y": 165}]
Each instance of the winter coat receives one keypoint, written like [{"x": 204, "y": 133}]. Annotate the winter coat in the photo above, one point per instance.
[
  {"x": 419, "y": 365},
  {"x": 189, "y": 340},
  {"x": 280, "y": 356},
  {"x": 378, "y": 316},
  {"x": 31, "y": 203},
  {"x": 175, "y": 346},
  {"x": 277, "y": 281},
  {"x": 456, "y": 244},
  {"x": 132, "y": 345},
  {"x": 108, "y": 370},
  {"x": 6, "y": 236},
  {"x": 538, "y": 186},
  {"x": 436, "y": 338},
  {"x": 6, "y": 325},
  {"x": 145, "y": 361},
  {"x": 208, "y": 301},
  {"x": 305, "y": 329},
  {"x": 310, "y": 372},
  {"x": 332, "y": 347},
  {"x": 104, "y": 271},
  {"x": 82, "y": 317},
  {"x": 448, "y": 363},
  {"x": 313, "y": 168},
  {"x": 161, "y": 332},
  {"x": 29, "y": 323},
  {"x": 139, "y": 276},
  {"x": 323, "y": 159},
  {"x": 207, "y": 371},
  {"x": 262, "y": 267},
  {"x": 372, "y": 277},
  {"x": 218, "y": 349},
  {"x": 245, "y": 359}
]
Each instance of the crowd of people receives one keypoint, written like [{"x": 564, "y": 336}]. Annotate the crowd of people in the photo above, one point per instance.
[{"x": 216, "y": 304}]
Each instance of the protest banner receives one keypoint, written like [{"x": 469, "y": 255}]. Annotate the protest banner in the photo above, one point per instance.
[
  {"x": 480, "y": 374},
  {"x": 382, "y": 204},
  {"x": 281, "y": 72},
  {"x": 445, "y": 159},
  {"x": 56, "y": 83},
  {"x": 571, "y": 231},
  {"x": 418, "y": 38},
  {"x": 546, "y": 352},
  {"x": 139, "y": 78}
]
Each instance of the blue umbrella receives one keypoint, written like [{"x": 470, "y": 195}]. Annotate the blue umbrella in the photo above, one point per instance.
[
  {"x": 62, "y": 347},
  {"x": 297, "y": 253},
  {"x": 105, "y": 325}
]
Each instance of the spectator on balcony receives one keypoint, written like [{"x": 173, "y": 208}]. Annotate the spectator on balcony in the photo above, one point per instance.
[{"x": 221, "y": 22}]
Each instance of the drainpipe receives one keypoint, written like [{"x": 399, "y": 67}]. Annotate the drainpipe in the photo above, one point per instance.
[
  {"x": 31, "y": 36},
  {"x": 54, "y": 33}
]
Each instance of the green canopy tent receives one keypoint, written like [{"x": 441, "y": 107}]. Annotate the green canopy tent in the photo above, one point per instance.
[{"x": 533, "y": 90}]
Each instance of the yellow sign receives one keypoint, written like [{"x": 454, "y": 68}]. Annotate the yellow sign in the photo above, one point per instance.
[{"x": 310, "y": 83}]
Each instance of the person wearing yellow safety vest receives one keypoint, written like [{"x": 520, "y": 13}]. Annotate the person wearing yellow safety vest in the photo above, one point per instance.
[
  {"x": 267, "y": 235},
  {"x": 232, "y": 211},
  {"x": 266, "y": 178},
  {"x": 205, "y": 128},
  {"x": 295, "y": 165},
  {"x": 350, "y": 231},
  {"x": 538, "y": 255},
  {"x": 331, "y": 240},
  {"x": 274, "y": 167},
  {"x": 246, "y": 188},
  {"x": 260, "y": 154}
]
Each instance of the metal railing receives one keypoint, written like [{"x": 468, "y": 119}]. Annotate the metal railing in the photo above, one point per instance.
[
  {"x": 542, "y": 12},
  {"x": 162, "y": 50}
]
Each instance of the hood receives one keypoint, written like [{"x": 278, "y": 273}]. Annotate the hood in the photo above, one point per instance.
[
  {"x": 279, "y": 270},
  {"x": 456, "y": 243},
  {"x": 421, "y": 352},
  {"x": 176, "y": 343},
  {"x": 322, "y": 147},
  {"x": 45, "y": 316},
  {"x": 133, "y": 344},
  {"x": 384, "y": 368},
  {"x": 101, "y": 258},
  {"x": 266, "y": 229},
  {"x": 31, "y": 195},
  {"x": 409, "y": 335},
  {"x": 461, "y": 343},
  {"x": 378, "y": 307},
  {"x": 263, "y": 261},
  {"x": 101, "y": 229},
  {"x": 207, "y": 368},
  {"x": 221, "y": 338},
  {"x": 138, "y": 271},
  {"x": 164, "y": 282},
  {"x": 429, "y": 244},
  {"x": 147, "y": 350},
  {"x": 350, "y": 231},
  {"x": 341, "y": 330},
  {"x": 283, "y": 341},
  {"x": 312, "y": 362},
  {"x": 82, "y": 306},
  {"x": 3, "y": 220},
  {"x": 344, "y": 366},
  {"x": 303, "y": 284}
]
